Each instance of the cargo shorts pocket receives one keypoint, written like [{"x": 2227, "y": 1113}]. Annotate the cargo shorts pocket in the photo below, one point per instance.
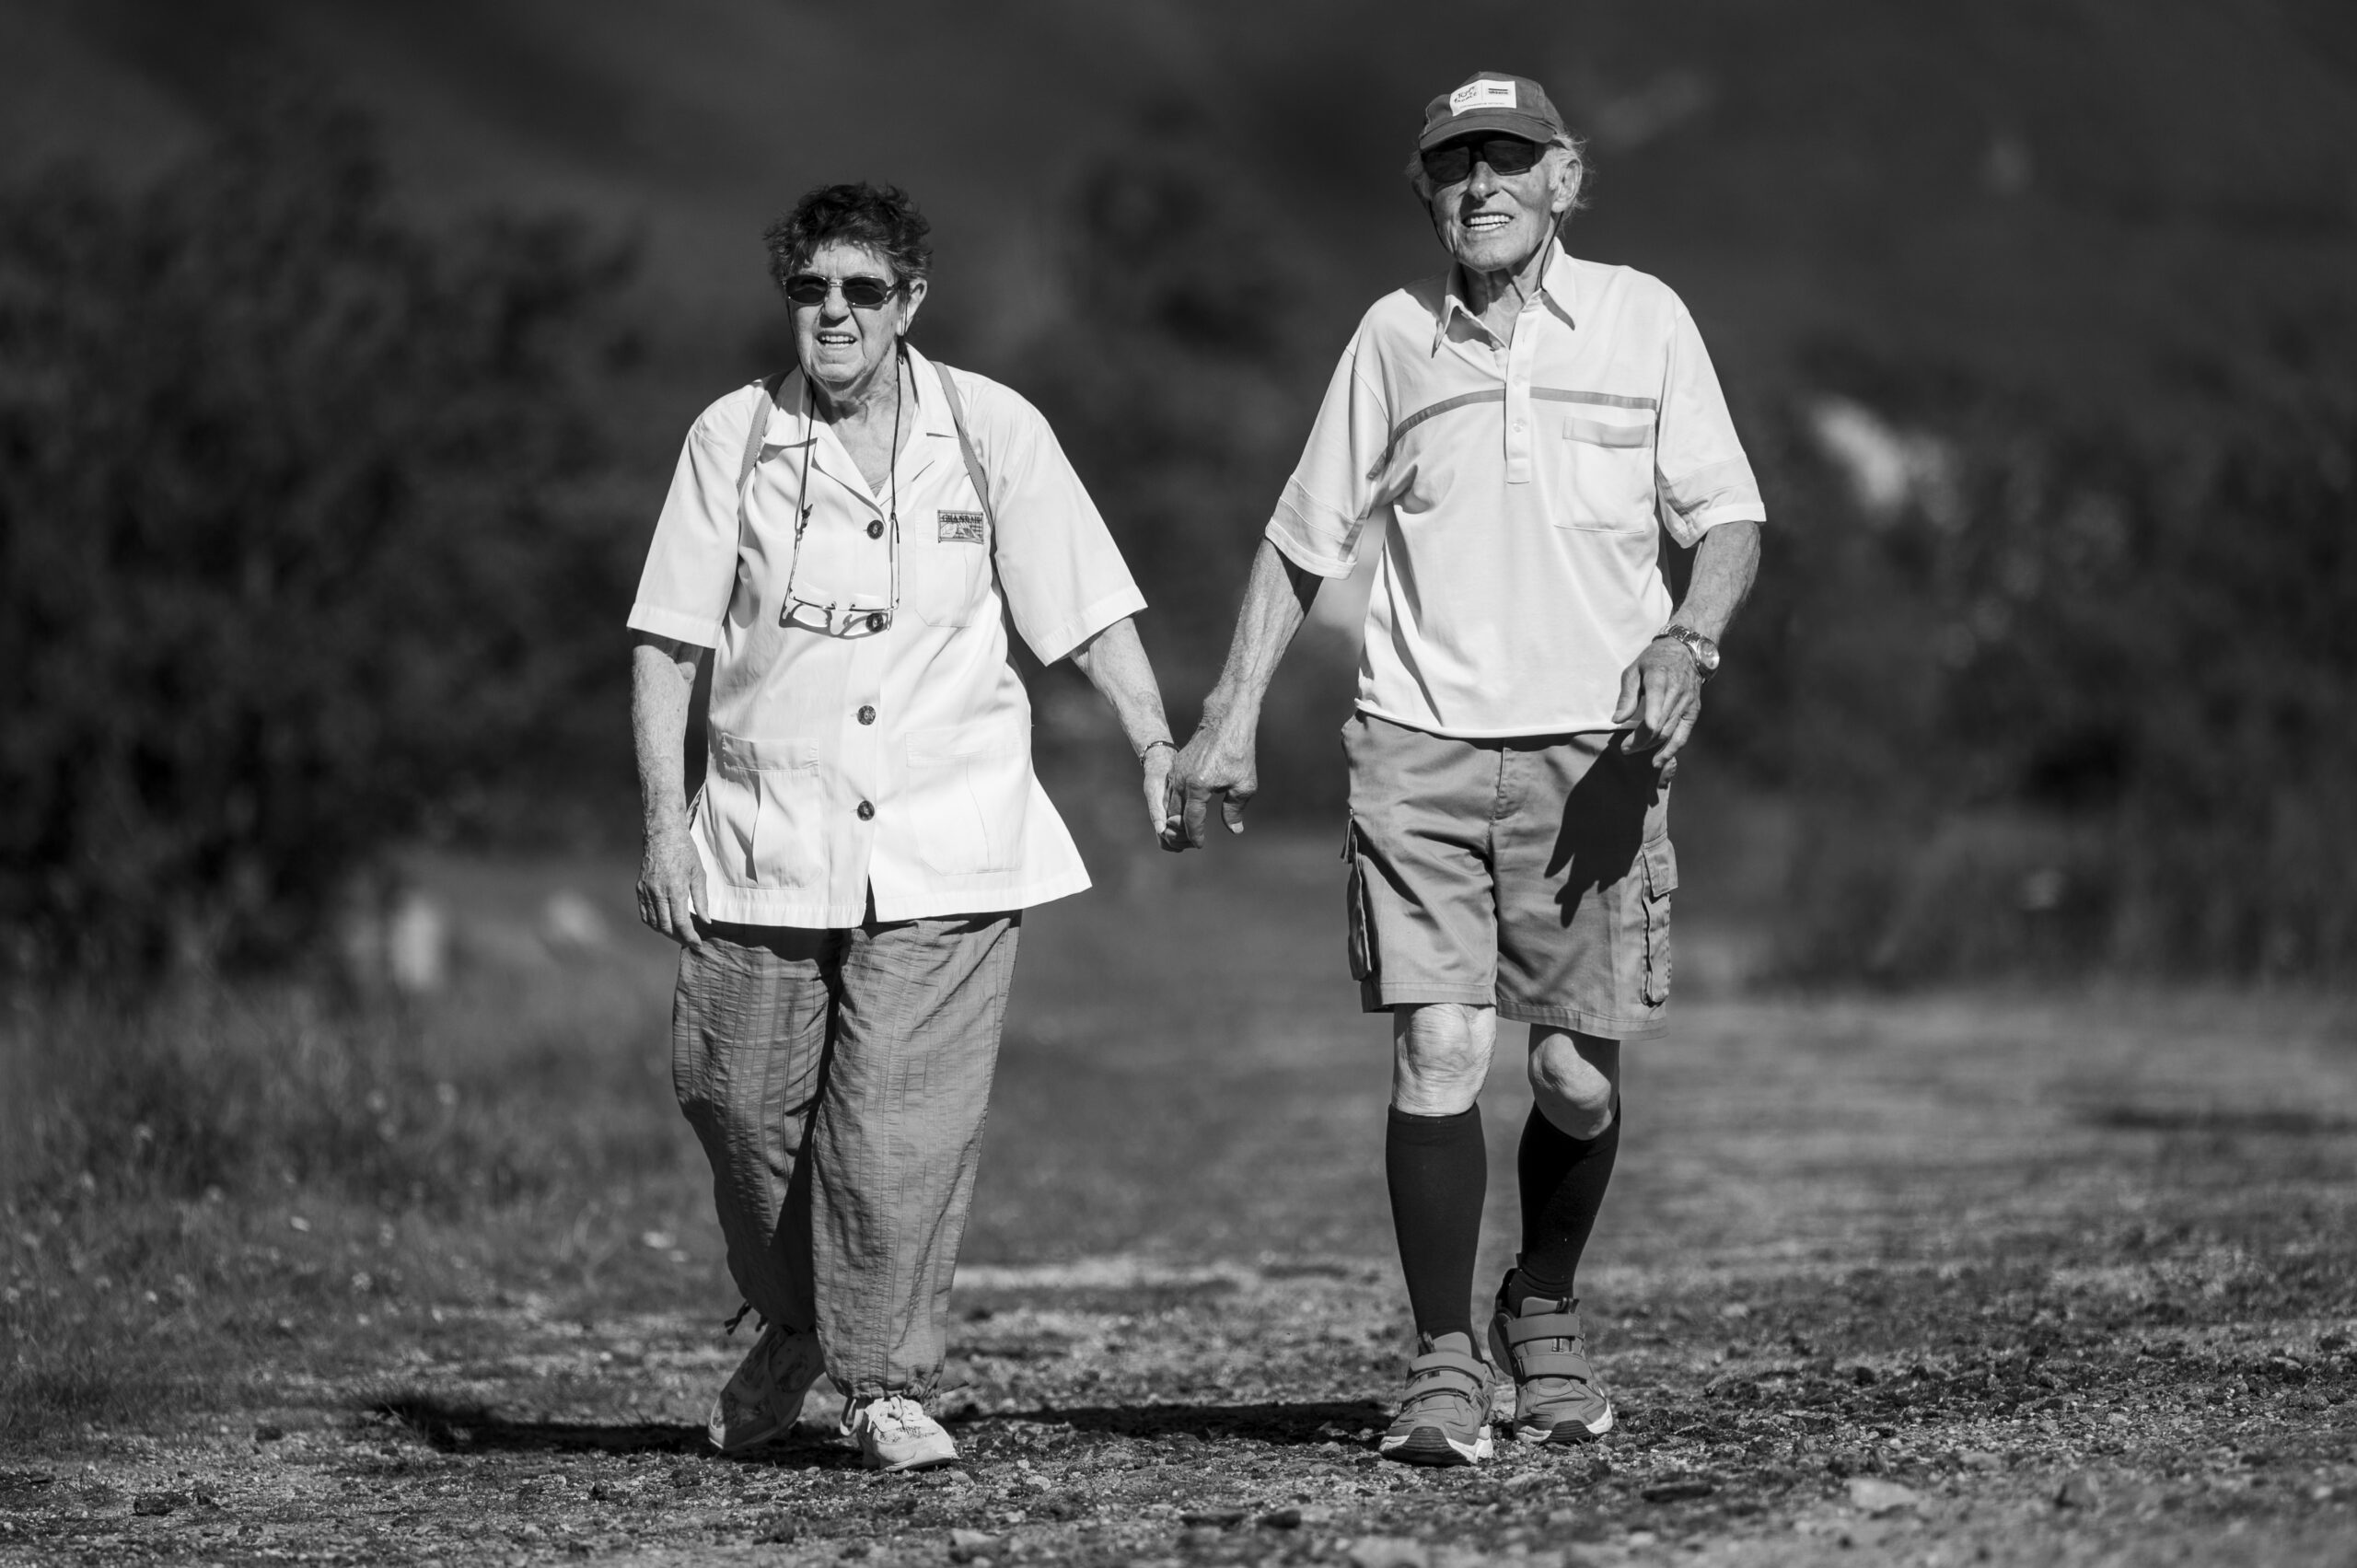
[
  {"x": 1659, "y": 862},
  {"x": 1361, "y": 922}
]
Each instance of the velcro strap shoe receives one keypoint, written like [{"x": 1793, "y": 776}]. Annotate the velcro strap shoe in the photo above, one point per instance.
[
  {"x": 1537, "y": 1340},
  {"x": 1445, "y": 1420}
]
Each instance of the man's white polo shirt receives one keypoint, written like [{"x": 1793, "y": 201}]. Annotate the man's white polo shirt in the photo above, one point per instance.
[
  {"x": 1524, "y": 491},
  {"x": 898, "y": 761}
]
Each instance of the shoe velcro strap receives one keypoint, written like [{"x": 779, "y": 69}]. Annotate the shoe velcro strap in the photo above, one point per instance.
[
  {"x": 1449, "y": 1368},
  {"x": 1554, "y": 1363},
  {"x": 1520, "y": 1331}
]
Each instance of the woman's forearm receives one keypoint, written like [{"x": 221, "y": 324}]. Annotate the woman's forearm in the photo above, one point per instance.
[
  {"x": 662, "y": 686},
  {"x": 1115, "y": 662}
]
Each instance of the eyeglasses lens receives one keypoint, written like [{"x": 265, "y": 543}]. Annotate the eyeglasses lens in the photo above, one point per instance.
[
  {"x": 861, "y": 294},
  {"x": 1453, "y": 161}
]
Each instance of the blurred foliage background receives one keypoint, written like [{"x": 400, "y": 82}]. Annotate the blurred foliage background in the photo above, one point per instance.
[{"x": 344, "y": 349}]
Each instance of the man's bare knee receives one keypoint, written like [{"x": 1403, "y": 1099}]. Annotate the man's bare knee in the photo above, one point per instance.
[
  {"x": 1440, "y": 1056},
  {"x": 1574, "y": 1080}
]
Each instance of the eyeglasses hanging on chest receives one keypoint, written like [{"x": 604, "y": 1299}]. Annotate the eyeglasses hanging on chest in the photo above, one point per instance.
[{"x": 845, "y": 576}]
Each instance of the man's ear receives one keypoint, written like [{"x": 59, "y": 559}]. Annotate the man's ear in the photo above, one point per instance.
[{"x": 1569, "y": 176}]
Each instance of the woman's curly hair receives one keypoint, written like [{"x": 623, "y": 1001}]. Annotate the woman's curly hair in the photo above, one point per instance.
[{"x": 881, "y": 218}]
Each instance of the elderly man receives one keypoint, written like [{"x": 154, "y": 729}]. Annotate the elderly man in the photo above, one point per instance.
[{"x": 1525, "y": 427}]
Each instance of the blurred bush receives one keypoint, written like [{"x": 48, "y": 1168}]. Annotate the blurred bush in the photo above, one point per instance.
[
  {"x": 2063, "y": 695},
  {"x": 1176, "y": 376},
  {"x": 1183, "y": 378},
  {"x": 300, "y": 539}
]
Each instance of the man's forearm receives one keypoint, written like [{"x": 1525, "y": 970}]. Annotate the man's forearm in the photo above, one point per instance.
[
  {"x": 1276, "y": 601},
  {"x": 1115, "y": 662},
  {"x": 662, "y": 683},
  {"x": 1724, "y": 564}
]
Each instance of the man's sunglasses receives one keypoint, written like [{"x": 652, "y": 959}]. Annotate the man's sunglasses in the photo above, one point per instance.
[
  {"x": 1453, "y": 161},
  {"x": 860, "y": 293}
]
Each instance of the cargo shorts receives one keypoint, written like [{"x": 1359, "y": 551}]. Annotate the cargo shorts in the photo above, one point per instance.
[{"x": 1529, "y": 873}]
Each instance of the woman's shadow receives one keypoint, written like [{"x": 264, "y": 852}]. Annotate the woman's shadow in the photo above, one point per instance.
[{"x": 456, "y": 1426}]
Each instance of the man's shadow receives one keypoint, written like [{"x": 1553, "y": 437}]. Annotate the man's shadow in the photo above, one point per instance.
[
  {"x": 1603, "y": 826},
  {"x": 1279, "y": 1423}
]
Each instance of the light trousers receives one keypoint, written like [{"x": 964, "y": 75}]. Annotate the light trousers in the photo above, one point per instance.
[{"x": 837, "y": 1080}]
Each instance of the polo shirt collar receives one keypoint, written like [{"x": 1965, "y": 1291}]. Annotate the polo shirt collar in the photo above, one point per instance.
[{"x": 1554, "y": 293}]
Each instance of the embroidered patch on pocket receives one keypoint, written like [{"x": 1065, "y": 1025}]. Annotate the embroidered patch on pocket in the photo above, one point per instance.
[{"x": 960, "y": 527}]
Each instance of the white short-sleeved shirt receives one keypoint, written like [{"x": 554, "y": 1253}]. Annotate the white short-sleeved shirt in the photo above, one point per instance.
[
  {"x": 898, "y": 761},
  {"x": 1524, "y": 491}
]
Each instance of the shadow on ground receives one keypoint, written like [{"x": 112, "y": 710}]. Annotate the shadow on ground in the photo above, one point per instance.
[
  {"x": 1276, "y": 1421},
  {"x": 458, "y": 1427}
]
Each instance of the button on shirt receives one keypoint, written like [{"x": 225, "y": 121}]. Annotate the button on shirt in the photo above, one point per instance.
[
  {"x": 898, "y": 761},
  {"x": 1523, "y": 490}
]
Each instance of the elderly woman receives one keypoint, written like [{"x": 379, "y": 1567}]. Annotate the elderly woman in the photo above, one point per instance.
[{"x": 842, "y": 550}]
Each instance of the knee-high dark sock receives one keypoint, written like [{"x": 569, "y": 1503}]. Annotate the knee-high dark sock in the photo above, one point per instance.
[
  {"x": 1438, "y": 1167},
  {"x": 1562, "y": 1181}
]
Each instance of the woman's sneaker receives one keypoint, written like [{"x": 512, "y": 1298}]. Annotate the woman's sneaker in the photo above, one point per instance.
[
  {"x": 894, "y": 1433},
  {"x": 763, "y": 1400},
  {"x": 1445, "y": 1420},
  {"x": 1558, "y": 1398}
]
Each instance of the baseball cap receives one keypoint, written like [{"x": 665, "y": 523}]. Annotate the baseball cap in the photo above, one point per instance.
[{"x": 1491, "y": 100}]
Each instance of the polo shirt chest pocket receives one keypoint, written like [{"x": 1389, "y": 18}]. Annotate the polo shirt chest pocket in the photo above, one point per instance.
[
  {"x": 1604, "y": 472},
  {"x": 945, "y": 559},
  {"x": 767, "y": 804}
]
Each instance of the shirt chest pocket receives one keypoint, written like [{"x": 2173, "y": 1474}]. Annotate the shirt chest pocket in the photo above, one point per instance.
[
  {"x": 1604, "y": 473},
  {"x": 766, "y": 804},
  {"x": 945, "y": 556}
]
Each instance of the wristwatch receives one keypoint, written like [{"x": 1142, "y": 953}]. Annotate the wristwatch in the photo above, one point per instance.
[{"x": 1705, "y": 652}]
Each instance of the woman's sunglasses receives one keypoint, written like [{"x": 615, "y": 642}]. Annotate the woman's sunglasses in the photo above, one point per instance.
[
  {"x": 860, "y": 293},
  {"x": 1453, "y": 161}
]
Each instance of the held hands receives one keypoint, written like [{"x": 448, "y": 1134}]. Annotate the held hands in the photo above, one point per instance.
[
  {"x": 670, "y": 887},
  {"x": 1661, "y": 690},
  {"x": 1157, "y": 762},
  {"x": 1219, "y": 760}
]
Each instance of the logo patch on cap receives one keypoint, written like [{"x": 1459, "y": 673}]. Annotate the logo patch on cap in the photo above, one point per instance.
[{"x": 1483, "y": 95}]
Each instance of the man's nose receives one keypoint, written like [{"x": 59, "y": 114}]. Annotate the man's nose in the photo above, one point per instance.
[{"x": 1483, "y": 180}]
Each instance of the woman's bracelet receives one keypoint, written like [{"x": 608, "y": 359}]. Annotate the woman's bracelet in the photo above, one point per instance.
[{"x": 1152, "y": 744}]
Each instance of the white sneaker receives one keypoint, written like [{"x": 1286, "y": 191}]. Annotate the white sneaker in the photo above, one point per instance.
[
  {"x": 761, "y": 1402},
  {"x": 894, "y": 1433}
]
